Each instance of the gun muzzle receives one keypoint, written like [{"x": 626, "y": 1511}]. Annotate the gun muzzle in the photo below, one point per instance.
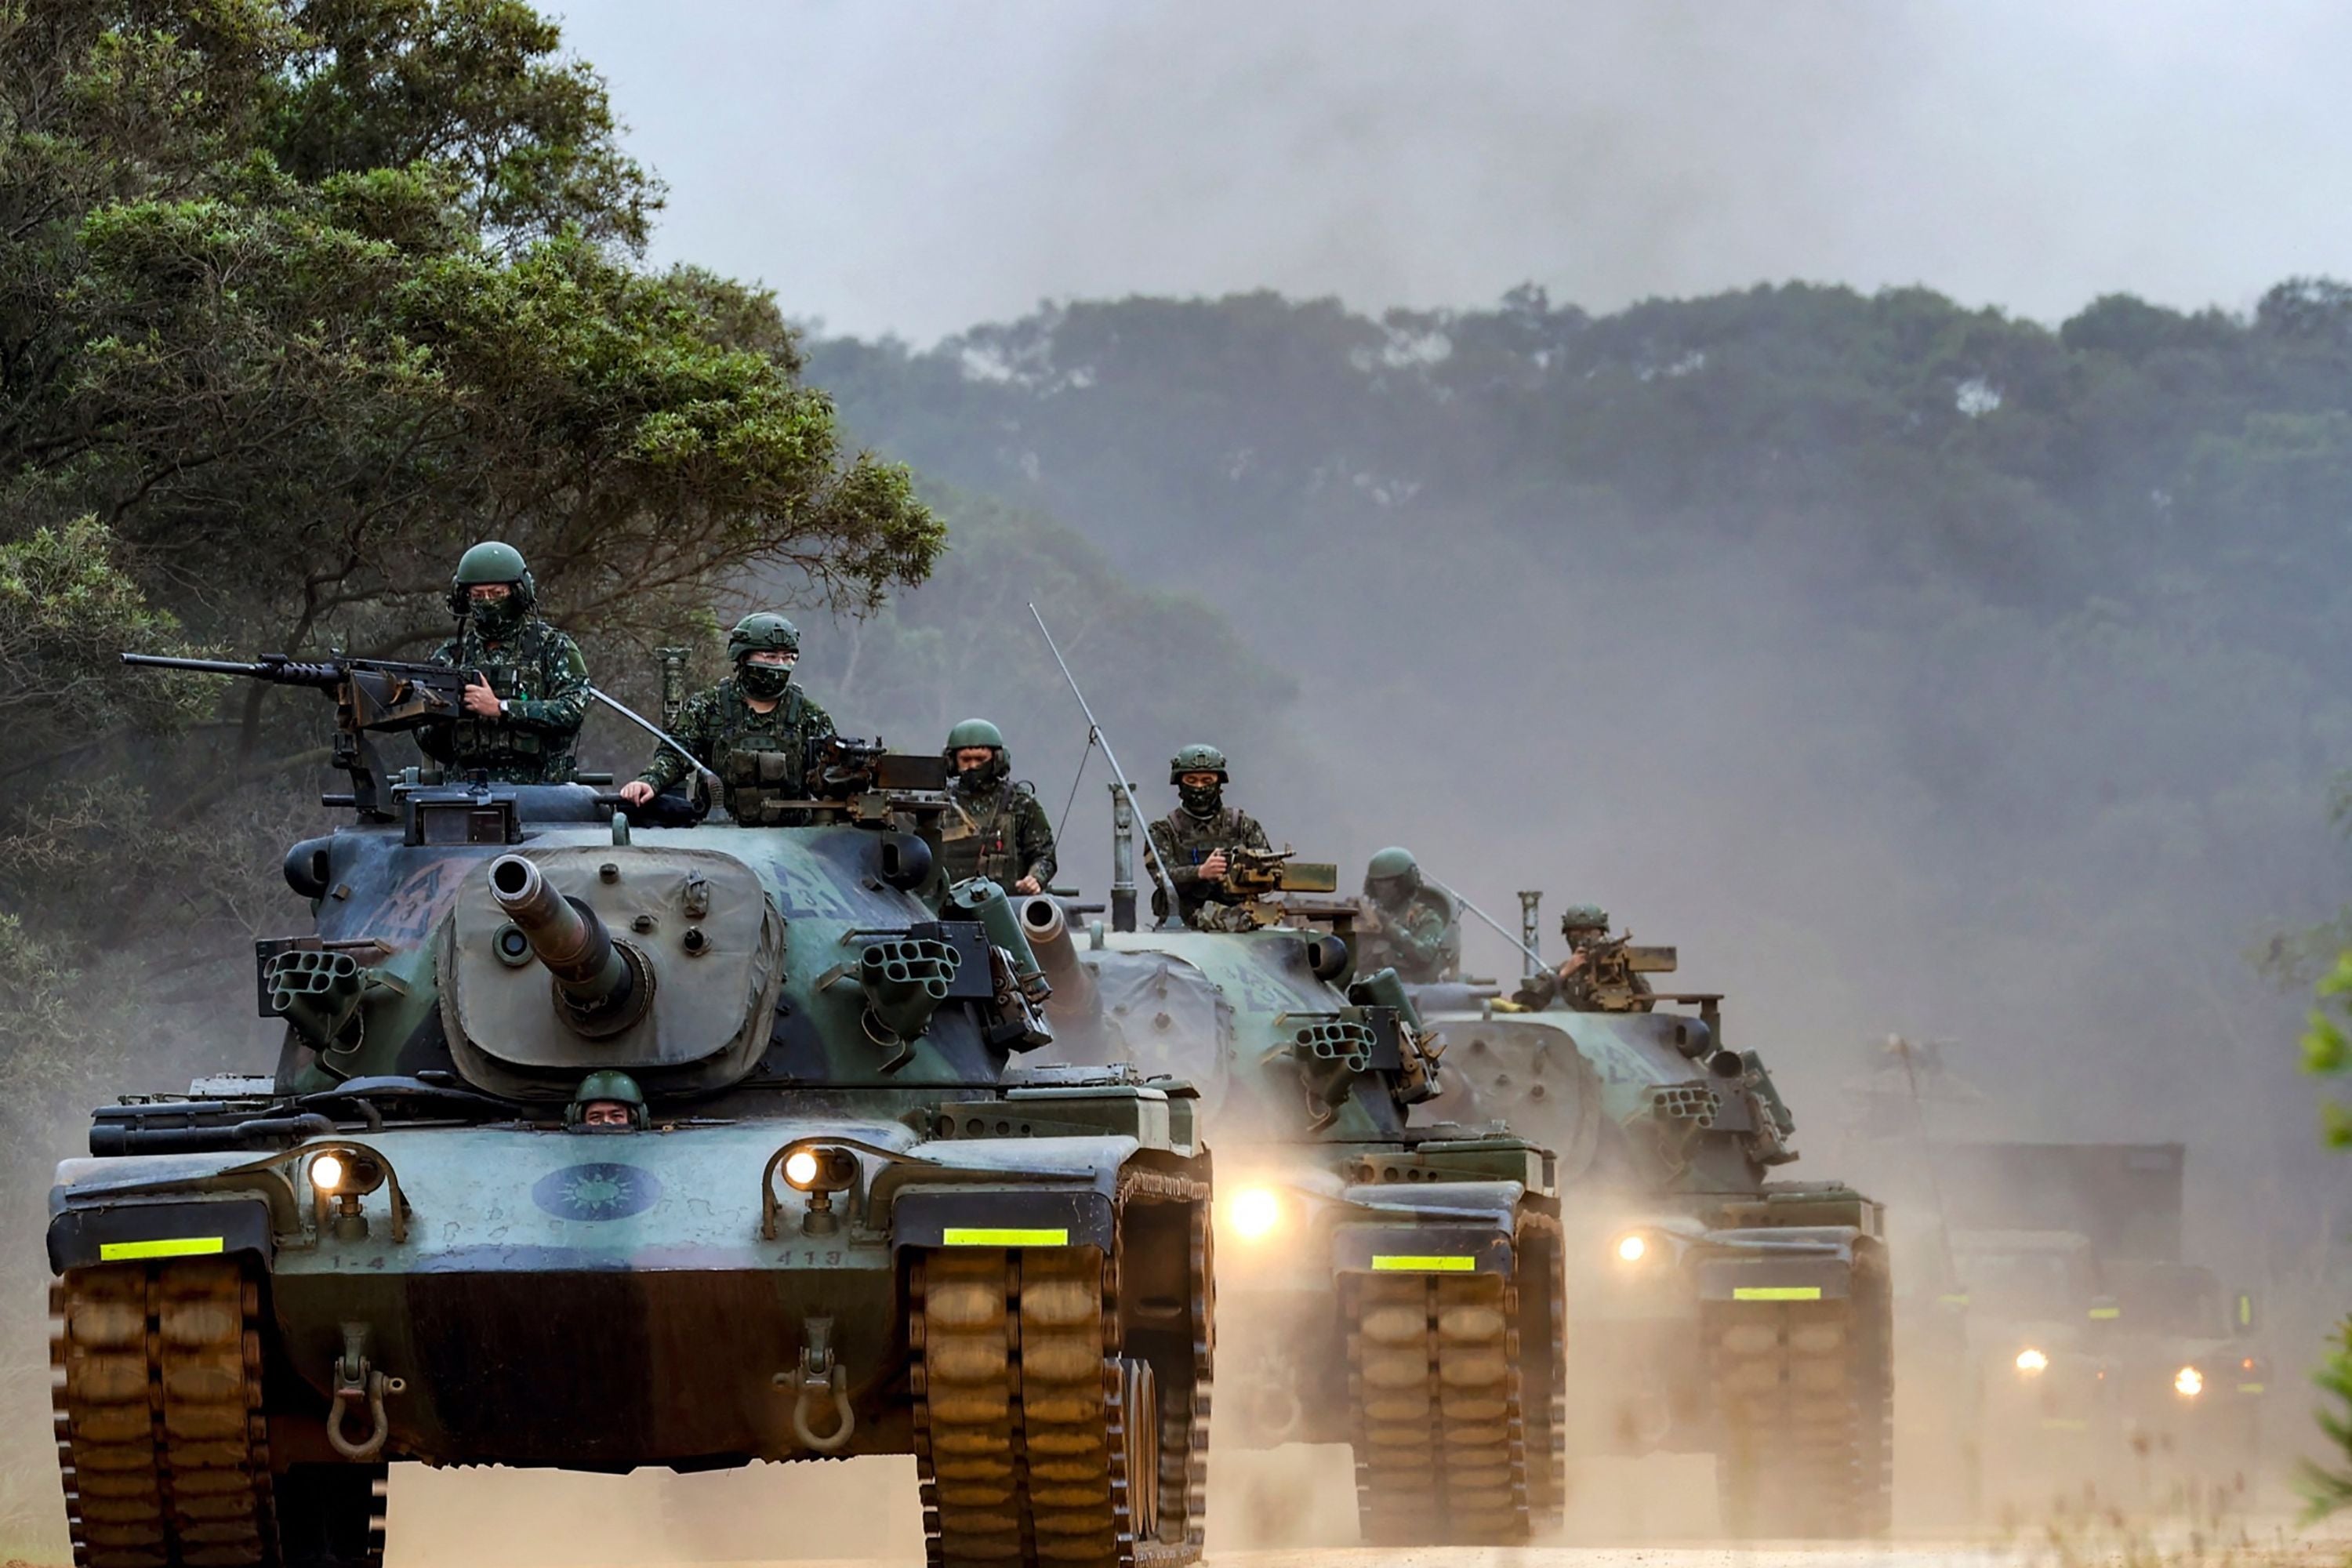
[
  {"x": 602, "y": 992},
  {"x": 1048, "y": 931}
]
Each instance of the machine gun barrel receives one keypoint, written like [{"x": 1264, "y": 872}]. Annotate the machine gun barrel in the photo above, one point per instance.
[
  {"x": 600, "y": 990},
  {"x": 274, "y": 668}
]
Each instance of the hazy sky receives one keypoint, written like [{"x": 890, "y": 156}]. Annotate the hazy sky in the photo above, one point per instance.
[{"x": 917, "y": 168}]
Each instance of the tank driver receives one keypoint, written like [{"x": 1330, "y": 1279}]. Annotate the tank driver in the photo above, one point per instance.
[
  {"x": 996, "y": 828},
  {"x": 523, "y": 716},
  {"x": 753, "y": 729}
]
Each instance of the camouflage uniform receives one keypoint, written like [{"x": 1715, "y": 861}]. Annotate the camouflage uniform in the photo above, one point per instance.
[
  {"x": 1181, "y": 841},
  {"x": 1421, "y": 941},
  {"x": 761, "y": 758},
  {"x": 996, "y": 829},
  {"x": 539, "y": 672}
]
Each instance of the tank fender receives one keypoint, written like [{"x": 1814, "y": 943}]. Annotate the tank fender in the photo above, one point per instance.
[
  {"x": 1442, "y": 1228},
  {"x": 1808, "y": 1263},
  {"x": 82, "y": 1236},
  {"x": 1001, "y": 1217}
]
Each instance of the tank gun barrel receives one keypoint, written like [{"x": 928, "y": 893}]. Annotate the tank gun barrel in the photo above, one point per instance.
[
  {"x": 593, "y": 975},
  {"x": 1048, "y": 931}
]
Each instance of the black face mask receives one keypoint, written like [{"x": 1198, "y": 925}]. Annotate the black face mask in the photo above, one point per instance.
[
  {"x": 1202, "y": 800},
  {"x": 494, "y": 618},
  {"x": 764, "y": 683}
]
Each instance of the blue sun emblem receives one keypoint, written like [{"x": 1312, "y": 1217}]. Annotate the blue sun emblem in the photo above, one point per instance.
[{"x": 598, "y": 1192}]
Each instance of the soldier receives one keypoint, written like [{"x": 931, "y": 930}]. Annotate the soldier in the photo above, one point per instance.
[
  {"x": 1191, "y": 841},
  {"x": 996, "y": 829},
  {"x": 607, "y": 1101},
  {"x": 1406, "y": 925},
  {"x": 522, "y": 717},
  {"x": 753, "y": 729},
  {"x": 1595, "y": 977}
]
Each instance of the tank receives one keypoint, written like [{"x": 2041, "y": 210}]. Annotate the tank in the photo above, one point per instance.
[
  {"x": 1385, "y": 1280},
  {"x": 851, "y": 1215},
  {"x": 1711, "y": 1308}
]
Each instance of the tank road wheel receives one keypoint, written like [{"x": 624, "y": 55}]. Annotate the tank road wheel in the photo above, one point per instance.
[
  {"x": 1038, "y": 1442},
  {"x": 1440, "y": 1451},
  {"x": 160, "y": 1439},
  {"x": 1805, "y": 1397}
]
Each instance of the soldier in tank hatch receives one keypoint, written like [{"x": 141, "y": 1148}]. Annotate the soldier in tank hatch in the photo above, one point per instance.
[
  {"x": 522, "y": 718},
  {"x": 753, "y": 729},
  {"x": 995, "y": 827},
  {"x": 1194, "y": 842},
  {"x": 1407, "y": 925}
]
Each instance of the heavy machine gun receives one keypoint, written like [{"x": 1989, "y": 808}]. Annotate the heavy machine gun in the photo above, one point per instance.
[{"x": 370, "y": 695}]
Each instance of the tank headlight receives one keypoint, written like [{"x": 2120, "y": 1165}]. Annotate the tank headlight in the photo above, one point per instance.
[
  {"x": 2031, "y": 1362},
  {"x": 815, "y": 1168},
  {"x": 340, "y": 1173},
  {"x": 2188, "y": 1382},
  {"x": 1632, "y": 1247},
  {"x": 1255, "y": 1213}
]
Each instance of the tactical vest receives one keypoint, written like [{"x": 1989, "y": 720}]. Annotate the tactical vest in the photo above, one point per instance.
[
  {"x": 976, "y": 836},
  {"x": 761, "y": 758},
  {"x": 514, "y": 671}
]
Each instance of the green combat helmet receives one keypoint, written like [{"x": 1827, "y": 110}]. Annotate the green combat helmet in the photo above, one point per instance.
[
  {"x": 764, "y": 632},
  {"x": 492, "y": 561},
  {"x": 974, "y": 733},
  {"x": 1198, "y": 759},
  {"x": 1584, "y": 917},
  {"x": 608, "y": 1085},
  {"x": 1395, "y": 864}
]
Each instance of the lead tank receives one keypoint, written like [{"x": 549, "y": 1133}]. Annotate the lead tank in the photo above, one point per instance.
[
  {"x": 1712, "y": 1308},
  {"x": 849, "y": 1219},
  {"x": 1386, "y": 1280}
]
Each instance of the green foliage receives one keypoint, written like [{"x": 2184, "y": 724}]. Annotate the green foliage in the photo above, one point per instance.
[
  {"x": 299, "y": 299},
  {"x": 2329, "y": 1490}
]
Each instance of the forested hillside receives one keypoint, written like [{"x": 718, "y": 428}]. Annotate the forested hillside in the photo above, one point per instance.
[{"x": 1914, "y": 666}]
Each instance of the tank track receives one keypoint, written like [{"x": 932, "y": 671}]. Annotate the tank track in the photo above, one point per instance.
[
  {"x": 1804, "y": 1394},
  {"x": 1026, "y": 1438},
  {"x": 161, "y": 1440},
  {"x": 1433, "y": 1377},
  {"x": 161, "y": 1444}
]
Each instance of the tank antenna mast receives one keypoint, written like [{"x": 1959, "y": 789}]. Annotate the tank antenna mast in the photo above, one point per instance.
[
  {"x": 1122, "y": 794},
  {"x": 1500, "y": 929}
]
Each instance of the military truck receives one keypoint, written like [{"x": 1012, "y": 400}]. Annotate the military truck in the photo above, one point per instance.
[
  {"x": 1711, "y": 1308},
  {"x": 2123, "y": 1362},
  {"x": 1384, "y": 1281},
  {"x": 840, "y": 1215}
]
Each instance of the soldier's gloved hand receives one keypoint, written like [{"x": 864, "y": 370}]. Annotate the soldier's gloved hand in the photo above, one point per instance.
[
  {"x": 1570, "y": 967},
  {"x": 637, "y": 792},
  {"x": 1028, "y": 885},
  {"x": 1214, "y": 866},
  {"x": 480, "y": 700}
]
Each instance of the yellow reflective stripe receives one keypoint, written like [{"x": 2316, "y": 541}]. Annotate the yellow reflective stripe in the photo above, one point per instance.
[
  {"x": 1961, "y": 1300},
  {"x": 986, "y": 1236},
  {"x": 1391, "y": 1263},
  {"x": 2105, "y": 1312},
  {"x": 2250, "y": 1388},
  {"x": 173, "y": 1246},
  {"x": 1776, "y": 1293}
]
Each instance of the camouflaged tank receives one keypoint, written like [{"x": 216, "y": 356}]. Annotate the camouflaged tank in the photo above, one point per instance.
[
  {"x": 1712, "y": 1309},
  {"x": 1384, "y": 1283},
  {"x": 847, "y": 1221}
]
